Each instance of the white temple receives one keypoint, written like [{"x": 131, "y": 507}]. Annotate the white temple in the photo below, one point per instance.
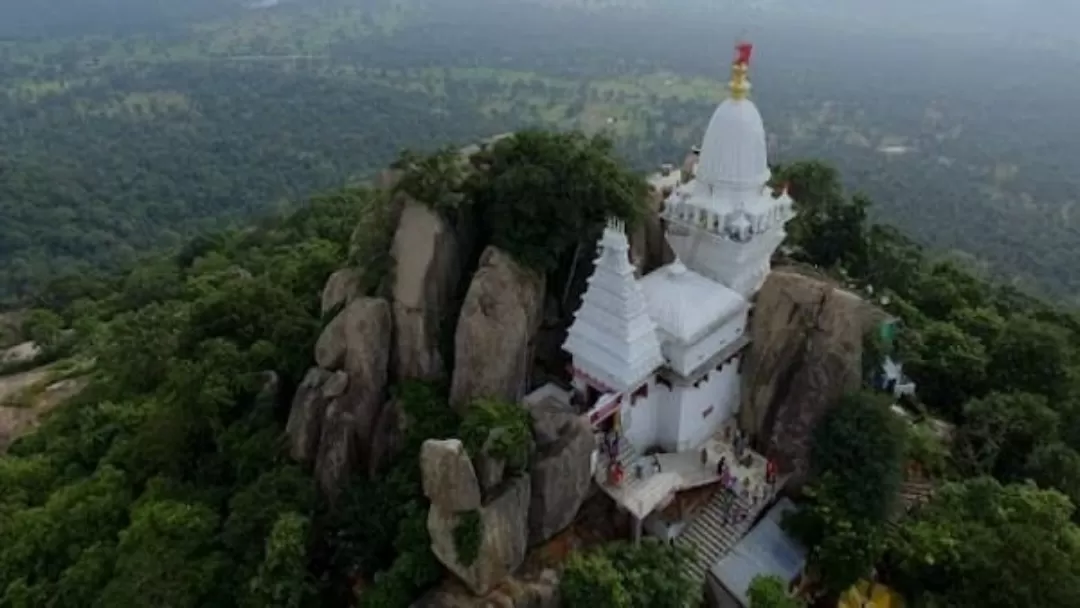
[{"x": 659, "y": 357}]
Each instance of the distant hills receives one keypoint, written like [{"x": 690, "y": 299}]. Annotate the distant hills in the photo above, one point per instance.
[{"x": 189, "y": 116}]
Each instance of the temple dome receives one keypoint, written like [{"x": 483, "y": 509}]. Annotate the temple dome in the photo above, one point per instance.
[{"x": 735, "y": 152}]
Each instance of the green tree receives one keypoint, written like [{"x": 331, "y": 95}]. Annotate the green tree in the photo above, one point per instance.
[
  {"x": 540, "y": 194},
  {"x": 771, "y": 592},
  {"x": 982, "y": 322},
  {"x": 861, "y": 443},
  {"x": 1057, "y": 466},
  {"x": 893, "y": 261},
  {"x": 166, "y": 557},
  {"x": 1031, "y": 356},
  {"x": 589, "y": 580},
  {"x": 829, "y": 228},
  {"x": 45, "y": 328},
  {"x": 857, "y": 459},
  {"x": 1000, "y": 431},
  {"x": 282, "y": 580},
  {"x": 949, "y": 369},
  {"x": 979, "y": 543},
  {"x": 649, "y": 574}
]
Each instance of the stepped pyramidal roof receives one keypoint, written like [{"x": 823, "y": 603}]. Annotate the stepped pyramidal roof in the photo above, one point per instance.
[{"x": 612, "y": 330}]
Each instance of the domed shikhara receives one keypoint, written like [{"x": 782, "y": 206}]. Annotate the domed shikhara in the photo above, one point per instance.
[{"x": 734, "y": 153}]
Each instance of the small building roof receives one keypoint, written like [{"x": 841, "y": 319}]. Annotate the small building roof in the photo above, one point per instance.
[
  {"x": 685, "y": 304},
  {"x": 766, "y": 550}
]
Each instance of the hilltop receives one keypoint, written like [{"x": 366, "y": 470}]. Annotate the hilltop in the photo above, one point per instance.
[{"x": 169, "y": 468}]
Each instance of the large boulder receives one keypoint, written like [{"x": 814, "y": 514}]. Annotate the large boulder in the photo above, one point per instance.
[
  {"x": 503, "y": 538},
  {"x": 342, "y": 286},
  {"x": 306, "y": 416},
  {"x": 448, "y": 476},
  {"x": 339, "y": 449},
  {"x": 348, "y": 387},
  {"x": 388, "y": 439},
  {"x": 806, "y": 353},
  {"x": 501, "y": 314},
  {"x": 426, "y": 274},
  {"x": 561, "y": 473}
]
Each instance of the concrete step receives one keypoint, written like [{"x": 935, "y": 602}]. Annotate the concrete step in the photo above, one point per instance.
[{"x": 709, "y": 537}]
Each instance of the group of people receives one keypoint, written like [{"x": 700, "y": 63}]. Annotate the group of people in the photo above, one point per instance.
[{"x": 734, "y": 488}]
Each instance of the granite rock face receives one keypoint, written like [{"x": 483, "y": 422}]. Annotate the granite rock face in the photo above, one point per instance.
[
  {"x": 504, "y": 538},
  {"x": 427, "y": 270},
  {"x": 306, "y": 416},
  {"x": 561, "y": 473},
  {"x": 342, "y": 286},
  {"x": 450, "y": 481},
  {"x": 388, "y": 438},
  {"x": 805, "y": 354},
  {"x": 336, "y": 407},
  {"x": 492, "y": 346}
]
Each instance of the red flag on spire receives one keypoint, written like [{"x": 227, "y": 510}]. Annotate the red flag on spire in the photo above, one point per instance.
[{"x": 743, "y": 52}]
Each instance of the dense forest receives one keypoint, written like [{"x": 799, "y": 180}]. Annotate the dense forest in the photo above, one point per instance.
[
  {"x": 120, "y": 141},
  {"x": 164, "y": 481}
]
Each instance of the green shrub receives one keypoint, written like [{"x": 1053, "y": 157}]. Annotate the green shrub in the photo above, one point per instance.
[
  {"x": 513, "y": 440},
  {"x": 468, "y": 536},
  {"x": 650, "y": 574}
]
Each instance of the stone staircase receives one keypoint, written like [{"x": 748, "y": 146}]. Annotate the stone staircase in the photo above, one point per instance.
[{"x": 709, "y": 538}]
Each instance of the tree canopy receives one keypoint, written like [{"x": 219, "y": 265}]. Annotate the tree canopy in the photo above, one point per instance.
[{"x": 621, "y": 575}]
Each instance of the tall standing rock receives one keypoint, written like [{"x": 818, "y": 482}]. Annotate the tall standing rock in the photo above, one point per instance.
[
  {"x": 806, "y": 353},
  {"x": 342, "y": 286},
  {"x": 501, "y": 314},
  {"x": 355, "y": 344},
  {"x": 306, "y": 416},
  {"x": 448, "y": 475},
  {"x": 561, "y": 474},
  {"x": 427, "y": 269},
  {"x": 504, "y": 537}
]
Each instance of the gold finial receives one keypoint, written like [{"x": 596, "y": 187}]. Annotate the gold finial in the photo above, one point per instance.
[{"x": 740, "y": 84}]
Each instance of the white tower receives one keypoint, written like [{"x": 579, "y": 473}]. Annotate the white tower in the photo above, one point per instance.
[
  {"x": 613, "y": 340},
  {"x": 725, "y": 224}
]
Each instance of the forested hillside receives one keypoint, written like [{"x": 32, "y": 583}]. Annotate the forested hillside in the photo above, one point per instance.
[
  {"x": 165, "y": 481},
  {"x": 117, "y": 142}
]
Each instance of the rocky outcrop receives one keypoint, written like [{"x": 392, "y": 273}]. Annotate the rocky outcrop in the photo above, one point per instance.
[
  {"x": 340, "y": 289},
  {"x": 388, "y": 437},
  {"x": 500, "y": 316},
  {"x": 534, "y": 591},
  {"x": 306, "y": 416},
  {"x": 449, "y": 479},
  {"x": 560, "y": 474},
  {"x": 504, "y": 538},
  {"x": 336, "y": 407},
  {"x": 426, "y": 274},
  {"x": 806, "y": 353}
]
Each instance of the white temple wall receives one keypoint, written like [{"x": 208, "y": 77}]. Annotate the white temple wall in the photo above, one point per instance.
[
  {"x": 685, "y": 359},
  {"x": 639, "y": 416},
  {"x": 701, "y": 411}
]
